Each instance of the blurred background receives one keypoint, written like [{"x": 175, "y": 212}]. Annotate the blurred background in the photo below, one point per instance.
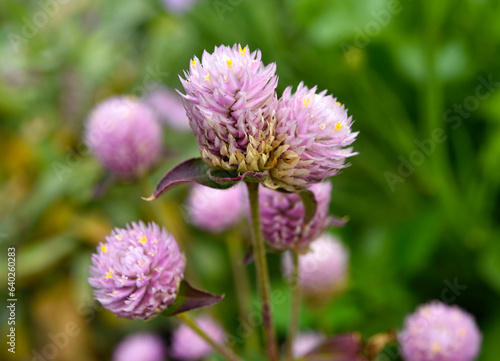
[{"x": 420, "y": 78}]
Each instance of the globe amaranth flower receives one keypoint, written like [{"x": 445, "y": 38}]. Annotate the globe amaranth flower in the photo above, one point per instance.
[
  {"x": 215, "y": 210},
  {"x": 439, "y": 332},
  {"x": 306, "y": 342},
  {"x": 137, "y": 272},
  {"x": 140, "y": 347},
  {"x": 125, "y": 135},
  {"x": 315, "y": 129},
  {"x": 169, "y": 108},
  {"x": 282, "y": 217},
  {"x": 186, "y": 345},
  {"x": 322, "y": 269},
  {"x": 230, "y": 102}
]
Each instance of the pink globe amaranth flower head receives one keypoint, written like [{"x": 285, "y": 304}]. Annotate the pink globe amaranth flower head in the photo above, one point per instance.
[
  {"x": 230, "y": 102},
  {"x": 215, "y": 210},
  {"x": 140, "y": 347},
  {"x": 125, "y": 135},
  {"x": 439, "y": 332},
  {"x": 168, "y": 107},
  {"x": 282, "y": 216},
  {"x": 186, "y": 345},
  {"x": 322, "y": 269},
  {"x": 316, "y": 129},
  {"x": 137, "y": 272},
  {"x": 306, "y": 342}
]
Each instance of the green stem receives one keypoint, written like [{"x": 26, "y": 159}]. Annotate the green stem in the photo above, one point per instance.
[
  {"x": 263, "y": 282},
  {"x": 295, "y": 310},
  {"x": 223, "y": 350},
  {"x": 242, "y": 286}
]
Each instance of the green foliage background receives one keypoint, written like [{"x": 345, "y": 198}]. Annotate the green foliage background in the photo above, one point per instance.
[{"x": 404, "y": 69}]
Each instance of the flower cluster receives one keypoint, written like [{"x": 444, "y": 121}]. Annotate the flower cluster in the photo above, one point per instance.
[
  {"x": 136, "y": 273},
  {"x": 323, "y": 269},
  {"x": 438, "y": 332},
  {"x": 241, "y": 125},
  {"x": 283, "y": 217},
  {"x": 125, "y": 135}
]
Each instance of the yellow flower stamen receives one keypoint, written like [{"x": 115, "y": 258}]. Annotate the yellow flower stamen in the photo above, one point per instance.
[
  {"x": 109, "y": 274},
  {"x": 243, "y": 51},
  {"x": 229, "y": 63},
  {"x": 338, "y": 103},
  {"x": 338, "y": 126},
  {"x": 207, "y": 77},
  {"x": 142, "y": 239},
  {"x": 193, "y": 63},
  {"x": 104, "y": 249},
  {"x": 306, "y": 101}
]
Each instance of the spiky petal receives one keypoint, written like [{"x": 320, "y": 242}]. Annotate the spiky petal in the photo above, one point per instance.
[
  {"x": 282, "y": 216},
  {"x": 230, "y": 102},
  {"x": 316, "y": 130},
  {"x": 125, "y": 135},
  {"x": 439, "y": 332},
  {"x": 137, "y": 272}
]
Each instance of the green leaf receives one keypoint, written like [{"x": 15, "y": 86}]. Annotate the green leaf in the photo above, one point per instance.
[{"x": 190, "y": 298}]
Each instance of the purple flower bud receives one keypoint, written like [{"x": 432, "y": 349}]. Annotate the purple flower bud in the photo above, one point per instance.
[
  {"x": 316, "y": 128},
  {"x": 168, "y": 106},
  {"x": 282, "y": 216},
  {"x": 215, "y": 210},
  {"x": 137, "y": 273},
  {"x": 230, "y": 101},
  {"x": 322, "y": 269},
  {"x": 140, "y": 347},
  {"x": 124, "y": 135},
  {"x": 187, "y": 345},
  {"x": 306, "y": 342},
  {"x": 438, "y": 332}
]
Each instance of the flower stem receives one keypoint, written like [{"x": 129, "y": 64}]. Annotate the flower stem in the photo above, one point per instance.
[
  {"x": 295, "y": 309},
  {"x": 242, "y": 286},
  {"x": 263, "y": 282},
  {"x": 223, "y": 350}
]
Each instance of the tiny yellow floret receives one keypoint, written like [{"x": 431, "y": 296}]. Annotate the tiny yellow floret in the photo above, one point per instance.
[
  {"x": 109, "y": 274},
  {"x": 338, "y": 126},
  {"x": 104, "y": 248},
  {"x": 243, "y": 51},
  {"x": 306, "y": 101},
  {"x": 207, "y": 77},
  {"x": 229, "y": 63},
  {"x": 436, "y": 348},
  {"x": 338, "y": 103},
  {"x": 142, "y": 239},
  {"x": 193, "y": 63}
]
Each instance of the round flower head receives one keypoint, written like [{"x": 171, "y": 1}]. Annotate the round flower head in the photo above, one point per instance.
[
  {"x": 438, "y": 332},
  {"x": 316, "y": 129},
  {"x": 215, "y": 210},
  {"x": 140, "y": 347},
  {"x": 230, "y": 101},
  {"x": 137, "y": 273},
  {"x": 168, "y": 106},
  {"x": 124, "y": 135},
  {"x": 306, "y": 342},
  {"x": 282, "y": 216},
  {"x": 323, "y": 268},
  {"x": 186, "y": 345}
]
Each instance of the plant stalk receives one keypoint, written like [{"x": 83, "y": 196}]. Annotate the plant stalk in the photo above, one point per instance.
[
  {"x": 295, "y": 307},
  {"x": 223, "y": 350},
  {"x": 263, "y": 282}
]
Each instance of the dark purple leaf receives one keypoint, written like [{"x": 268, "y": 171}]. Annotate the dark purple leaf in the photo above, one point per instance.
[
  {"x": 310, "y": 204},
  {"x": 190, "y": 298},
  {"x": 230, "y": 178},
  {"x": 344, "y": 347},
  {"x": 190, "y": 171}
]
